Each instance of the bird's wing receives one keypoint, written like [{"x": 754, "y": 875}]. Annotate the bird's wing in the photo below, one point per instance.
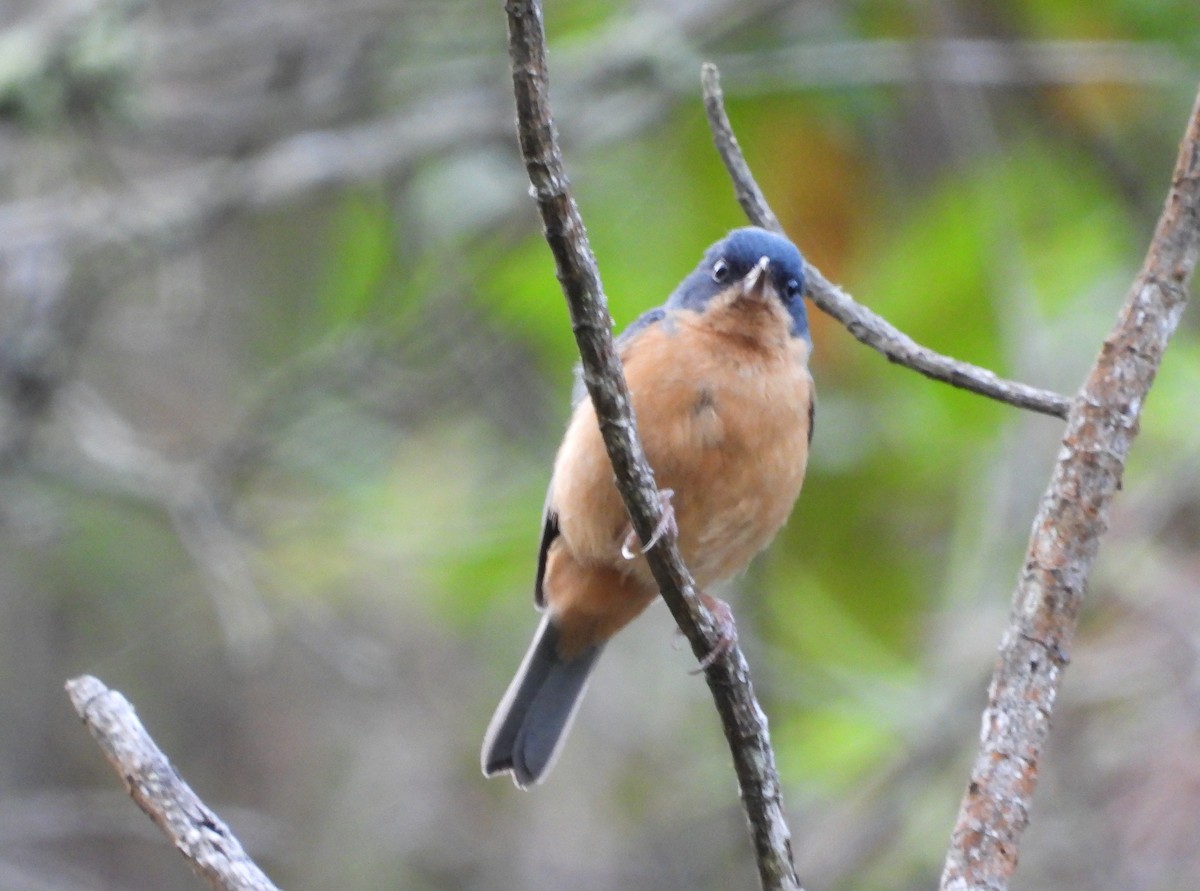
[
  {"x": 549, "y": 533},
  {"x": 646, "y": 320},
  {"x": 549, "y": 515}
]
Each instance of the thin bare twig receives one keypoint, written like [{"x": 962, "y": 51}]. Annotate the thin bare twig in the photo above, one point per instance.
[
  {"x": 729, "y": 676},
  {"x": 1071, "y": 519},
  {"x": 198, "y": 833},
  {"x": 864, "y": 325}
]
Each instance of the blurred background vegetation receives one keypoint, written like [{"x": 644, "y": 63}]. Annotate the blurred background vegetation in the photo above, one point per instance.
[{"x": 283, "y": 365}]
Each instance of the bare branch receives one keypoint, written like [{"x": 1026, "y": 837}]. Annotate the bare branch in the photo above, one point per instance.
[
  {"x": 864, "y": 325},
  {"x": 1066, "y": 535},
  {"x": 728, "y": 677},
  {"x": 199, "y": 834}
]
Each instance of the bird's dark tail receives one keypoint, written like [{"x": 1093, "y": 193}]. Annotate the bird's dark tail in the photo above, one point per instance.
[{"x": 532, "y": 719}]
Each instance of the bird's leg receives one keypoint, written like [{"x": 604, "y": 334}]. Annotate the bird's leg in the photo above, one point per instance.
[
  {"x": 666, "y": 522},
  {"x": 726, "y": 631}
]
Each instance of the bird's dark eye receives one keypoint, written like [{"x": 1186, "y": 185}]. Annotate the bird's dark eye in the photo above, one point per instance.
[
  {"x": 720, "y": 272},
  {"x": 793, "y": 288}
]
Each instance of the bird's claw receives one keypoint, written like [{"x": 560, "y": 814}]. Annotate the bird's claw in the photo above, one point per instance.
[
  {"x": 629, "y": 547},
  {"x": 726, "y": 631}
]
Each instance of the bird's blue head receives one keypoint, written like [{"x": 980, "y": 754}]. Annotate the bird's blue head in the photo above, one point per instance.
[{"x": 732, "y": 258}]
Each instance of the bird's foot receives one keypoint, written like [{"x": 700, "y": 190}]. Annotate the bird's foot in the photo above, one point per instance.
[
  {"x": 629, "y": 547},
  {"x": 726, "y": 631}
]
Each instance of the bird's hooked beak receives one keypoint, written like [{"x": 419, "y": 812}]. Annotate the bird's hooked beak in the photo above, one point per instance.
[{"x": 756, "y": 282}]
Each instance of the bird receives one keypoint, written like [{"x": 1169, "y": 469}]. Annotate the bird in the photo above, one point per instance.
[{"x": 723, "y": 400}]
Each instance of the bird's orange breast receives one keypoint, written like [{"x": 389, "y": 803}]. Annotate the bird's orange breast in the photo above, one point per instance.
[{"x": 722, "y": 401}]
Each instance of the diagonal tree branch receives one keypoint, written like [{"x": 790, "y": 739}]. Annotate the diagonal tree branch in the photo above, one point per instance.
[
  {"x": 729, "y": 676},
  {"x": 1072, "y": 517},
  {"x": 869, "y": 328},
  {"x": 1102, "y": 422},
  {"x": 199, "y": 834}
]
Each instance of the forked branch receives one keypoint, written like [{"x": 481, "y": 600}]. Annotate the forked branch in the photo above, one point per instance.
[{"x": 1072, "y": 517}]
